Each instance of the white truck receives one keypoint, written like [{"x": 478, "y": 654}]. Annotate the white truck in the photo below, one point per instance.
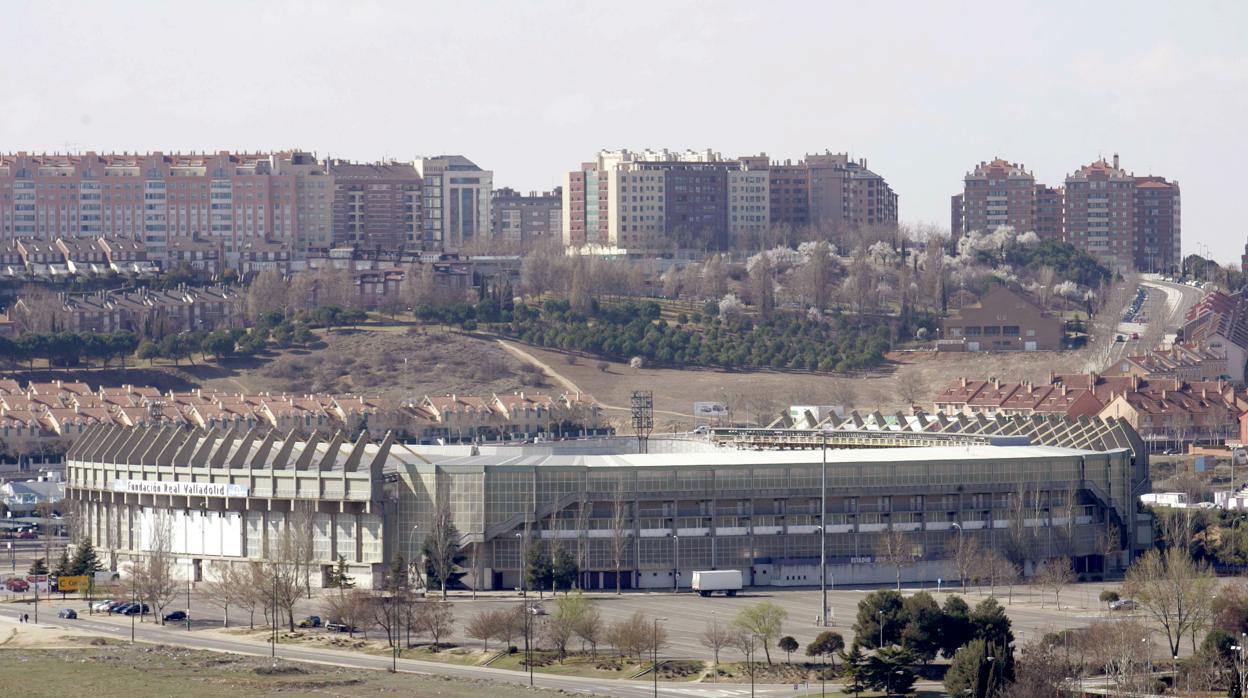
[{"x": 707, "y": 582}]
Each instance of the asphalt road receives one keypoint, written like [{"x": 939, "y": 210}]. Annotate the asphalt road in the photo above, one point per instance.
[
  {"x": 1180, "y": 299},
  {"x": 686, "y": 615},
  {"x": 177, "y": 635}
]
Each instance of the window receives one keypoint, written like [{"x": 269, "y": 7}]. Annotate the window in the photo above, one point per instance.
[{"x": 1011, "y": 330}]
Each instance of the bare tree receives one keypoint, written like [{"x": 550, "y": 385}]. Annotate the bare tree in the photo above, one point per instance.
[
  {"x": 895, "y": 547},
  {"x": 387, "y": 612},
  {"x": 583, "y": 515},
  {"x": 619, "y": 533},
  {"x": 763, "y": 286},
  {"x": 1173, "y": 590},
  {"x": 252, "y": 590},
  {"x": 301, "y": 526},
  {"x": 485, "y": 625},
  {"x": 590, "y": 628},
  {"x": 267, "y": 292},
  {"x": 510, "y": 625},
  {"x": 285, "y": 572},
  {"x": 967, "y": 552},
  {"x": 816, "y": 276},
  {"x": 155, "y": 577},
  {"x": 350, "y": 607},
  {"x": 223, "y": 589},
  {"x": 716, "y": 637},
  {"x": 1116, "y": 648},
  {"x": 436, "y": 619},
  {"x": 442, "y": 544},
  {"x": 1054, "y": 574}
]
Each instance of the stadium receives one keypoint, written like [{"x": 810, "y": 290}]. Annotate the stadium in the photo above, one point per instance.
[{"x": 747, "y": 499}]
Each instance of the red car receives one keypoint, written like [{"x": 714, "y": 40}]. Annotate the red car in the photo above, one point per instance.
[{"x": 17, "y": 585}]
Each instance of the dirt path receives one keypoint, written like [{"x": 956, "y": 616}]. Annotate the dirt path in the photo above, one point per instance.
[{"x": 567, "y": 384}]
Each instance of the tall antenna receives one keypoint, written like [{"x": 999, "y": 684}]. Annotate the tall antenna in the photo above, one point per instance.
[{"x": 642, "y": 408}]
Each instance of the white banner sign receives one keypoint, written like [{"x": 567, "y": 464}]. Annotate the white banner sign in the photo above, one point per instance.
[{"x": 193, "y": 489}]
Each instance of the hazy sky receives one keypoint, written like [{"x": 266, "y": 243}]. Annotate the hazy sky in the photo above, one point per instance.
[{"x": 923, "y": 90}]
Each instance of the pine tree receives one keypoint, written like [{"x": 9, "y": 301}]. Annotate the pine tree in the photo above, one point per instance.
[
  {"x": 62, "y": 565},
  {"x": 39, "y": 566},
  {"x": 86, "y": 561},
  {"x": 338, "y": 578}
]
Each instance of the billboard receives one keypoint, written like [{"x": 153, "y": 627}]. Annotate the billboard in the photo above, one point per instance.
[
  {"x": 194, "y": 489},
  {"x": 71, "y": 583}
]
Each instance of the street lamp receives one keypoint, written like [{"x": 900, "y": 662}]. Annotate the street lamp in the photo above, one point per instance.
[
  {"x": 881, "y": 613},
  {"x": 528, "y": 647},
  {"x": 524, "y": 586},
  {"x": 675, "y": 563},
  {"x": 959, "y": 564},
  {"x": 655, "y": 647},
  {"x": 823, "y": 525}
]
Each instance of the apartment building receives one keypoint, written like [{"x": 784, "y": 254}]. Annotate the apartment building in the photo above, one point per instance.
[
  {"x": 699, "y": 200},
  {"x": 233, "y": 198},
  {"x": 995, "y": 194},
  {"x": 1050, "y": 216},
  {"x": 1100, "y": 213},
  {"x": 522, "y": 220},
  {"x": 377, "y": 206},
  {"x": 1126, "y": 221},
  {"x": 455, "y": 202},
  {"x": 1157, "y": 225}
]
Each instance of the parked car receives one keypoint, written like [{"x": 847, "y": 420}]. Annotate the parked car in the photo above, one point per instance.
[
  {"x": 537, "y": 609},
  {"x": 340, "y": 628},
  {"x": 1123, "y": 605},
  {"x": 175, "y": 615},
  {"x": 121, "y": 607},
  {"x": 69, "y": 613},
  {"x": 17, "y": 585},
  {"x": 310, "y": 622},
  {"x": 103, "y": 605},
  {"x": 28, "y": 535},
  {"x": 136, "y": 609}
]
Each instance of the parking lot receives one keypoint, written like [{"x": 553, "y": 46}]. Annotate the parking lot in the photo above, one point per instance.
[{"x": 687, "y": 615}]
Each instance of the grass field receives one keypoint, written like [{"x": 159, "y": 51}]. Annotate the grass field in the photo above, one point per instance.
[{"x": 154, "y": 670}]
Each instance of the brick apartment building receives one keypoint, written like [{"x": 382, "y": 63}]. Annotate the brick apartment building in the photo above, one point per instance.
[
  {"x": 664, "y": 200},
  {"x": 521, "y": 220},
  {"x": 377, "y": 206},
  {"x": 994, "y": 194},
  {"x": 234, "y": 198},
  {"x": 1126, "y": 221}
]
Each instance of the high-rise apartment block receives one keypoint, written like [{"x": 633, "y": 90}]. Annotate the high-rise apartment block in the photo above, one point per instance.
[
  {"x": 1100, "y": 213},
  {"x": 1127, "y": 222},
  {"x": 456, "y": 202},
  {"x": 520, "y": 220},
  {"x": 998, "y": 193},
  {"x": 377, "y": 206},
  {"x": 1157, "y": 229},
  {"x": 234, "y": 198},
  {"x": 1050, "y": 213},
  {"x": 665, "y": 200}
]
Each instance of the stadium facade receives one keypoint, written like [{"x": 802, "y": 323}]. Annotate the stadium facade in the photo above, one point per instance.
[{"x": 695, "y": 504}]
